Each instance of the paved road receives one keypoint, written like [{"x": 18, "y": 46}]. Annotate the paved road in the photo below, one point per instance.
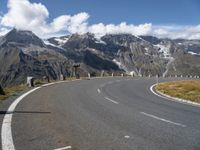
[{"x": 104, "y": 114}]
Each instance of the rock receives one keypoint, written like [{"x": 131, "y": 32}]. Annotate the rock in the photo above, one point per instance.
[{"x": 1, "y": 91}]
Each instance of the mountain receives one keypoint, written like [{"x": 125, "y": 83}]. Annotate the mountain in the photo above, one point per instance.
[
  {"x": 24, "y": 54},
  {"x": 140, "y": 55},
  {"x": 16, "y": 37}
]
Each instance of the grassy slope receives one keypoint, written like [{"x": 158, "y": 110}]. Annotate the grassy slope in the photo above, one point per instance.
[
  {"x": 9, "y": 91},
  {"x": 12, "y": 90},
  {"x": 188, "y": 89}
]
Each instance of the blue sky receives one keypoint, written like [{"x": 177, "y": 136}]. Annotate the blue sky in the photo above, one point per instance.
[
  {"x": 164, "y": 15},
  {"x": 182, "y": 12}
]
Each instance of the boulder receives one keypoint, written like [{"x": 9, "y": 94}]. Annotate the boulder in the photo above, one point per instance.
[{"x": 1, "y": 91}]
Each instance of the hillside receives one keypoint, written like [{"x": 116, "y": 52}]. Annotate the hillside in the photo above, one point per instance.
[{"x": 24, "y": 54}]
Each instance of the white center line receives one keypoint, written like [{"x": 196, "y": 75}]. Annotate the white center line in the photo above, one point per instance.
[
  {"x": 98, "y": 90},
  {"x": 111, "y": 100},
  {"x": 127, "y": 136},
  {"x": 63, "y": 148},
  {"x": 161, "y": 119}
]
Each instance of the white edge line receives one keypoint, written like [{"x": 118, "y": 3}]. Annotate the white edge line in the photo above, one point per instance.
[
  {"x": 48, "y": 84},
  {"x": 111, "y": 100},
  {"x": 6, "y": 132},
  {"x": 174, "y": 99},
  {"x": 162, "y": 119},
  {"x": 63, "y": 148}
]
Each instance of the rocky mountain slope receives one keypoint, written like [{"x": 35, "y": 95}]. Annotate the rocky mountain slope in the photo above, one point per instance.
[
  {"x": 139, "y": 55},
  {"x": 24, "y": 54}
]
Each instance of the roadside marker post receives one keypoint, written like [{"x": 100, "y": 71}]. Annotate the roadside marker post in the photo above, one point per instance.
[
  {"x": 30, "y": 81},
  {"x": 156, "y": 79},
  {"x": 89, "y": 75},
  {"x": 61, "y": 77},
  {"x": 102, "y": 73}
]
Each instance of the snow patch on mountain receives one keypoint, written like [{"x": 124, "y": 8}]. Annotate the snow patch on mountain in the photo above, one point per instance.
[
  {"x": 146, "y": 49},
  {"x": 117, "y": 62},
  {"x": 61, "y": 41},
  {"x": 192, "y": 53},
  {"x": 165, "y": 50},
  {"x": 120, "y": 65},
  {"x": 48, "y": 43},
  {"x": 171, "y": 60},
  {"x": 99, "y": 41},
  {"x": 140, "y": 38}
]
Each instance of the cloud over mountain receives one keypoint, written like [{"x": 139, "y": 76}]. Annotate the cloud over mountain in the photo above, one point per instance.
[
  {"x": 22, "y": 14},
  {"x": 25, "y": 15}
]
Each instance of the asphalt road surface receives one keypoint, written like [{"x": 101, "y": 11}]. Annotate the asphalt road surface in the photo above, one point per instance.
[{"x": 104, "y": 114}]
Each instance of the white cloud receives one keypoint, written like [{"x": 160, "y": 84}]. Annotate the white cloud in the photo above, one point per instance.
[
  {"x": 24, "y": 15},
  {"x": 175, "y": 31},
  {"x": 101, "y": 29},
  {"x": 3, "y": 31},
  {"x": 78, "y": 23}
]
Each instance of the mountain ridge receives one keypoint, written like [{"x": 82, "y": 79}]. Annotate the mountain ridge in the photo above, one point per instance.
[{"x": 138, "y": 55}]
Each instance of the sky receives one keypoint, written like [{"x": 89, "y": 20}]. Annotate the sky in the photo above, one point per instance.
[{"x": 161, "y": 18}]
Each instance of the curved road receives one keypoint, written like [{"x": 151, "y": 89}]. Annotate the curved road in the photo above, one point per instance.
[{"x": 104, "y": 114}]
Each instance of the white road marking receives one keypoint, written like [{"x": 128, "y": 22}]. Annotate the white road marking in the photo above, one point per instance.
[
  {"x": 48, "y": 84},
  {"x": 174, "y": 99},
  {"x": 161, "y": 119},
  {"x": 98, "y": 90},
  {"x": 127, "y": 137},
  {"x": 111, "y": 100},
  {"x": 63, "y": 148},
  {"x": 6, "y": 132}
]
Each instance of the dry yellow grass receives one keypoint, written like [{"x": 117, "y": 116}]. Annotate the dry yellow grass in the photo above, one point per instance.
[
  {"x": 9, "y": 91},
  {"x": 12, "y": 90},
  {"x": 187, "y": 89}
]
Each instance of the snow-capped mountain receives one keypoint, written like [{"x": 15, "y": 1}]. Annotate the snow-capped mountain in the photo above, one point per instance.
[{"x": 22, "y": 54}]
